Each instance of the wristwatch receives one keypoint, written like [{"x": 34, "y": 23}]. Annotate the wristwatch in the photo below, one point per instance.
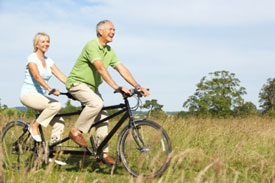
[{"x": 137, "y": 86}]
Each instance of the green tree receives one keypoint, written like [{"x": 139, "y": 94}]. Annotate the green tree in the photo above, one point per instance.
[
  {"x": 154, "y": 107},
  {"x": 267, "y": 95},
  {"x": 217, "y": 96},
  {"x": 3, "y": 107},
  {"x": 246, "y": 109}
]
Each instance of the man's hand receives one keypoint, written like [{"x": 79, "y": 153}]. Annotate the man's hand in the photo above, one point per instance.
[
  {"x": 145, "y": 92},
  {"x": 125, "y": 90}
]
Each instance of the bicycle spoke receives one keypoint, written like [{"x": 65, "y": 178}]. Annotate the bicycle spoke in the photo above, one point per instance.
[
  {"x": 17, "y": 145},
  {"x": 146, "y": 153}
]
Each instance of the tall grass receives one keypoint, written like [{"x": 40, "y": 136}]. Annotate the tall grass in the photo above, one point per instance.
[
  {"x": 204, "y": 150},
  {"x": 223, "y": 150}
]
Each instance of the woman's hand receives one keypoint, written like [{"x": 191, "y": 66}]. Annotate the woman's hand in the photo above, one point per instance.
[{"x": 56, "y": 92}]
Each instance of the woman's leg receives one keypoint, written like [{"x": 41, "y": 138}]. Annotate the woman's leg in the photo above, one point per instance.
[
  {"x": 58, "y": 125},
  {"x": 47, "y": 106}
]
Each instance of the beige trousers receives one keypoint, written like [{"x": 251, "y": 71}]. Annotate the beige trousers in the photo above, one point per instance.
[
  {"x": 49, "y": 108},
  {"x": 92, "y": 111}
]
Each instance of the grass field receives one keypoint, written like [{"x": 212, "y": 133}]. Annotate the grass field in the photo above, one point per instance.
[{"x": 204, "y": 150}]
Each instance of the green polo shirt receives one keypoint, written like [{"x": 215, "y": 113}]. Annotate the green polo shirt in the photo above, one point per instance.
[{"x": 84, "y": 70}]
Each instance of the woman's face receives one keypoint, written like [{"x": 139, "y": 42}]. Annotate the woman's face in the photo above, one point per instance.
[{"x": 43, "y": 44}]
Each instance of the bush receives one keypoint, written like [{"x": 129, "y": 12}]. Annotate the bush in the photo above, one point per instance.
[
  {"x": 246, "y": 109},
  {"x": 183, "y": 114},
  {"x": 11, "y": 112},
  {"x": 271, "y": 113},
  {"x": 156, "y": 113}
]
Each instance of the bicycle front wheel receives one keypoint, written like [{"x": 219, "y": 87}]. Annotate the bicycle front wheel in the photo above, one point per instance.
[
  {"x": 144, "y": 149},
  {"x": 18, "y": 145}
]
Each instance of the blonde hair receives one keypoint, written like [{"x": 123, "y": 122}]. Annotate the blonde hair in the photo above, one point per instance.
[{"x": 37, "y": 37}]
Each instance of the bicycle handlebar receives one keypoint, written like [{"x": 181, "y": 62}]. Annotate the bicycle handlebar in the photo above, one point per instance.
[
  {"x": 133, "y": 91},
  {"x": 68, "y": 95}
]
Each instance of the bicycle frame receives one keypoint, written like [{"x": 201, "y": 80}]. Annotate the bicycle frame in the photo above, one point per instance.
[{"x": 95, "y": 150}]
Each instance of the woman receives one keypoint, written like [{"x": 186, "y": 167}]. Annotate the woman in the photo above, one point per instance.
[{"x": 38, "y": 71}]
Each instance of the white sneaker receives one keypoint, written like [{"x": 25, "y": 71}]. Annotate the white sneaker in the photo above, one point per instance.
[
  {"x": 62, "y": 163},
  {"x": 35, "y": 137}
]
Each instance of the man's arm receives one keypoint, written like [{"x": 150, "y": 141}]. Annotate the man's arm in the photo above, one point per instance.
[
  {"x": 107, "y": 77},
  {"x": 105, "y": 74},
  {"x": 125, "y": 73}
]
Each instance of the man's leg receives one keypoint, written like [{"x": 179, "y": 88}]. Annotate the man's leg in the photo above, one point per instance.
[
  {"x": 102, "y": 130},
  {"x": 93, "y": 105},
  {"x": 100, "y": 133}
]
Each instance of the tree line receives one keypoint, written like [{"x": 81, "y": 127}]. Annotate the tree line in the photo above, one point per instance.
[
  {"x": 221, "y": 95},
  {"x": 218, "y": 95}
]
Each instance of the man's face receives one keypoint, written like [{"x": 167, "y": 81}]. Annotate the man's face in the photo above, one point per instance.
[{"x": 108, "y": 32}]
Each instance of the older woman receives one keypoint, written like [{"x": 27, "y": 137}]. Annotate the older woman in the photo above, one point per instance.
[{"x": 38, "y": 71}]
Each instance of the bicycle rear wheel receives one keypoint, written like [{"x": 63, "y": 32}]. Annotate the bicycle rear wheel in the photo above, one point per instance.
[
  {"x": 18, "y": 145},
  {"x": 145, "y": 150}
]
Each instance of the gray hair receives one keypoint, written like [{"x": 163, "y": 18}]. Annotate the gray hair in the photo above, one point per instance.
[{"x": 101, "y": 26}]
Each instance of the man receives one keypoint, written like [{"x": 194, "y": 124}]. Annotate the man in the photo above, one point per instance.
[{"x": 87, "y": 74}]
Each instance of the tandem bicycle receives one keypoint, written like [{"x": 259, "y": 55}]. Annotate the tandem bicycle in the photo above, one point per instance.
[{"x": 143, "y": 146}]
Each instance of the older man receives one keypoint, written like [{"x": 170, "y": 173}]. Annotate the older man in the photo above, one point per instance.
[{"x": 89, "y": 71}]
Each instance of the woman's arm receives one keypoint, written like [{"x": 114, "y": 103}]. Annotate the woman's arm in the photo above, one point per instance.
[
  {"x": 35, "y": 73},
  {"x": 58, "y": 74}
]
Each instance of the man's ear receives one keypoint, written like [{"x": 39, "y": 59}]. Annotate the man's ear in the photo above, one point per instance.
[{"x": 100, "y": 32}]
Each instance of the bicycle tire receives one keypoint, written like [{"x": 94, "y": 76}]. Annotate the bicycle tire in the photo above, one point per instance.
[
  {"x": 152, "y": 159},
  {"x": 18, "y": 145}
]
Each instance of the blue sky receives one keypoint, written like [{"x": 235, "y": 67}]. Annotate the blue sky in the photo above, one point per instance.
[{"x": 167, "y": 45}]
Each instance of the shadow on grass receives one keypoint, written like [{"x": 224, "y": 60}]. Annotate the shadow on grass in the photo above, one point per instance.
[{"x": 75, "y": 163}]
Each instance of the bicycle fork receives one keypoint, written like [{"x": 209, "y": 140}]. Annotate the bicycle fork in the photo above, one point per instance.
[{"x": 138, "y": 139}]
